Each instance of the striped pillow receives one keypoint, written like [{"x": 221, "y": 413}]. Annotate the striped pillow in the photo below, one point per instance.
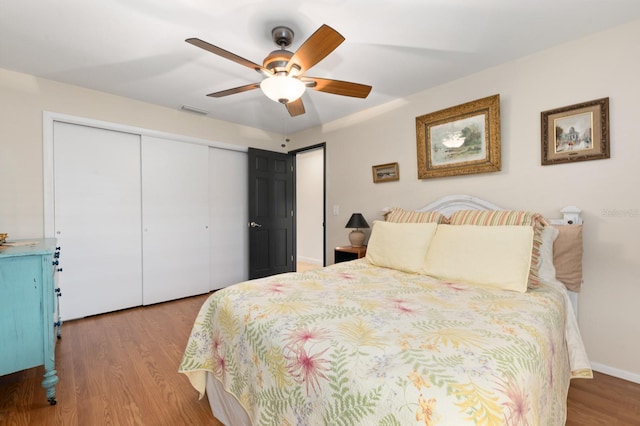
[
  {"x": 509, "y": 217},
  {"x": 396, "y": 214}
]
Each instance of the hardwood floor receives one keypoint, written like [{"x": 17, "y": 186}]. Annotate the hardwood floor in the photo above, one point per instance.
[
  {"x": 115, "y": 369},
  {"x": 304, "y": 266},
  {"x": 605, "y": 401},
  {"x": 121, "y": 369}
]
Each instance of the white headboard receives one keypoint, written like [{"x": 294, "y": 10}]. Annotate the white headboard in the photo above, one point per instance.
[{"x": 452, "y": 203}]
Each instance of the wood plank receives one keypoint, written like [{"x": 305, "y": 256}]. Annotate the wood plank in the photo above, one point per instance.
[
  {"x": 605, "y": 400},
  {"x": 121, "y": 368}
]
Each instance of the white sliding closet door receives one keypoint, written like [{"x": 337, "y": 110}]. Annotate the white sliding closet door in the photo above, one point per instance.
[
  {"x": 229, "y": 236},
  {"x": 97, "y": 219},
  {"x": 175, "y": 217}
]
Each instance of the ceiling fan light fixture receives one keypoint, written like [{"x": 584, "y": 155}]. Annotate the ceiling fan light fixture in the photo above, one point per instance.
[
  {"x": 282, "y": 89},
  {"x": 284, "y": 71}
]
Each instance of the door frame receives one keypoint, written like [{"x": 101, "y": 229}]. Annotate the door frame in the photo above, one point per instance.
[{"x": 323, "y": 146}]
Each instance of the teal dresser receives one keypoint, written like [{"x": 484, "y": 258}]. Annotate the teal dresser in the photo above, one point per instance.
[{"x": 28, "y": 309}]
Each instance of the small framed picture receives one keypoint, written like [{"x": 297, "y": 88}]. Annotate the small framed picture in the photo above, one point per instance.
[
  {"x": 577, "y": 132},
  {"x": 386, "y": 172}
]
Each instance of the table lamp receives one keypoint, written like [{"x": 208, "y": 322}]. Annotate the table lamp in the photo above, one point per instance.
[{"x": 356, "y": 237}]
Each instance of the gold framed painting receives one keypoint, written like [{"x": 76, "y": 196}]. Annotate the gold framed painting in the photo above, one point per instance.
[
  {"x": 461, "y": 140},
  {"x": 577, "y": 132},
  {"x": 385, "y": 172}
]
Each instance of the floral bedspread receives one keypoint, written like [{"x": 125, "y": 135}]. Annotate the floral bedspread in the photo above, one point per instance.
[{"x": 355, "y": 344}]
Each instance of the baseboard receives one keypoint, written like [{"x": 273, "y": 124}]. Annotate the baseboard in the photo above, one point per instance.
[
  {"x": 616, "y": 372},
  {"x": 309, "y": 260}
]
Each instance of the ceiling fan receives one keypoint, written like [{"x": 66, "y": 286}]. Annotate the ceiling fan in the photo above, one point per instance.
[{"x": 285, "y": 80}]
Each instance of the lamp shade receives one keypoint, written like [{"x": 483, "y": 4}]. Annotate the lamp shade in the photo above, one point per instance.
[
  {"x": 282, "y": 89},
  {"x": 357, "y": 221}
]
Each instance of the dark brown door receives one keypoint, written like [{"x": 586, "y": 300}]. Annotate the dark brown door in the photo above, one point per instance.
[{"x": 271, "y": 220}]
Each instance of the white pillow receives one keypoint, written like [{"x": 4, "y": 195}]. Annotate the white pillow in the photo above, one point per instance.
[
  {"x": 490, "y": 256},
  {"x": 401, "y": 246},
  {"x": 546, "y": 268}
]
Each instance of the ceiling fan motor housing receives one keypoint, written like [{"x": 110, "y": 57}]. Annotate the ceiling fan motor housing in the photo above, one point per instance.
[
  {"x": 282, "y": 36},
  {"x": 277, "y": 60}
]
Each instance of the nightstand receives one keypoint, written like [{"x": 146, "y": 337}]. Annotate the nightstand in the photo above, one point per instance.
[{"x": 344, "y": 254}]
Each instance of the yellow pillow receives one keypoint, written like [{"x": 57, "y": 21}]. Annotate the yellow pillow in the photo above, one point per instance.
[
  {"x": 401, "y": 246},
  {"x": 508, "y": 217},
  {"x": 490, "y": 256}
]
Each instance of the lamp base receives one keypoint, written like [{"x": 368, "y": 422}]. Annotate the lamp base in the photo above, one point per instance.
[{"x": 356, "y": 238}]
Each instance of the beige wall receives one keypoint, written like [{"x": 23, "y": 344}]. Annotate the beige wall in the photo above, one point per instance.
[
  {"x": 23, "y": 98},
  {"x": 604, "y": 65}
]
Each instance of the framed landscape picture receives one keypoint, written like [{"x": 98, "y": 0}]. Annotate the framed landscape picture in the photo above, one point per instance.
[
  {"x": 386, "y": 172},
  {"x": 460, "y": 140},
  {"x": 577, "y": 132}
]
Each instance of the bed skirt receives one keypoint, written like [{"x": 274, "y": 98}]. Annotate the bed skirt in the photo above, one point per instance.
[{"x": 224, "y": 406}]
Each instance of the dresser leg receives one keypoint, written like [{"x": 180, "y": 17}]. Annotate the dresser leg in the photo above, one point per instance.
[{"x": 49, "y": 383}]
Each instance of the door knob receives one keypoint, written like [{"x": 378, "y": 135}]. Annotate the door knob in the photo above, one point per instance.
[{"x": 255, "y": 225}]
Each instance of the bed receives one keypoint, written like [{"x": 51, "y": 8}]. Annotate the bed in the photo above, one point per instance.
[{"x": 440, "y": 323}]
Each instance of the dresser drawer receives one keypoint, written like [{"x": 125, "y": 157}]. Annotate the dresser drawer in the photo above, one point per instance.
[
  {"x": 21, "y": 333},
  {"x": 27, "y": 309}
]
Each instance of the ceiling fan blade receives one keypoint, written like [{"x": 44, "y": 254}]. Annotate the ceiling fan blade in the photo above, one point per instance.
[
  {"x": 295, "y": 108},
  {"x": 315, "y": 48},
  {"x": 337, "y": 87},
  {"x": 227, "y": 55},
  {"x": 234, "y": 90}
]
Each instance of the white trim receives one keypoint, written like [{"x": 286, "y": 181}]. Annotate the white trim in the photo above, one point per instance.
[
  {"x": 84, "y": 121},
  {"x": 616, "y": 372},
  {"x": 48, "y": 118},
  {"x": 47, "y": 175},
  {"x": 310, "y": 260}
]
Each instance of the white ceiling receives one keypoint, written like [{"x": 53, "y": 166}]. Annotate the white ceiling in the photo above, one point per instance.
[{"x": 136, "y": 48}]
